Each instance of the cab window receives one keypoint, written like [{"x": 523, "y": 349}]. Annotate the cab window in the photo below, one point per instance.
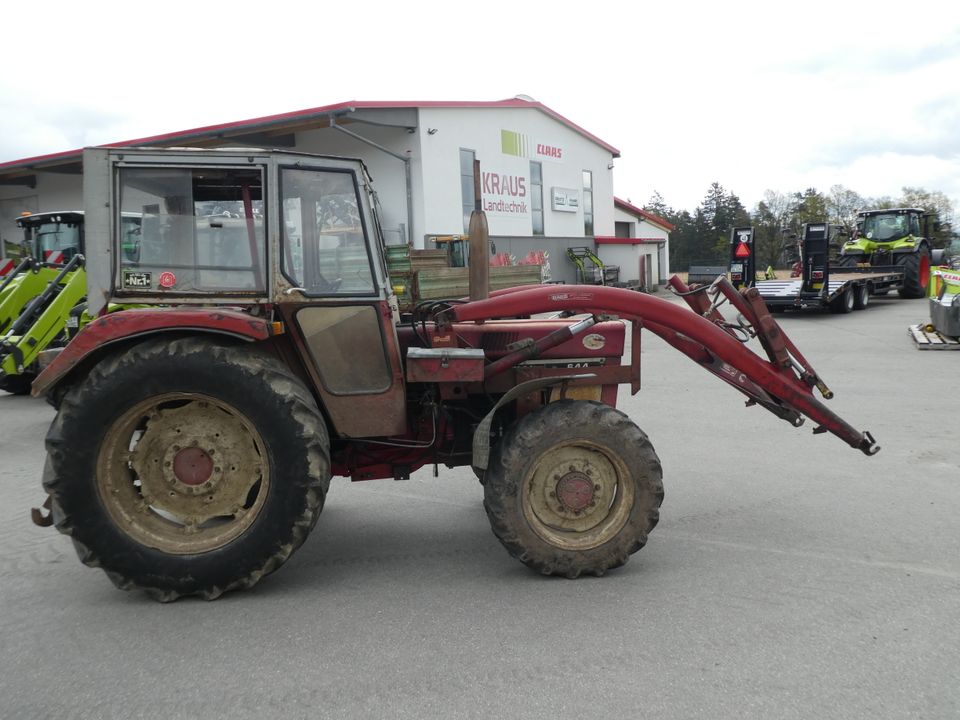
[
  {"x": 324, "y": 246},
  {"x": 191, "y": 230}
]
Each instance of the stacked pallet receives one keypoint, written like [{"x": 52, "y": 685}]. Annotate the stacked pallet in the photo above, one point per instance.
[{"x": 426, "y": 275}]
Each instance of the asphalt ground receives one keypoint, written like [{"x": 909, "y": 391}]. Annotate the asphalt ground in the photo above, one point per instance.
[{"x": 790, "y": 577}]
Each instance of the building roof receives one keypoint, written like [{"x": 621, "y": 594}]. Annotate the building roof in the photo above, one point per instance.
[
  {"x": 259, "y": 131},
  {"x": 641, "y": 213}
]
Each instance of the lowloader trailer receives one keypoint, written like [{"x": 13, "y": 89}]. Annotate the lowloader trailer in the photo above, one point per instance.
[{"x": 825, "y": 286}]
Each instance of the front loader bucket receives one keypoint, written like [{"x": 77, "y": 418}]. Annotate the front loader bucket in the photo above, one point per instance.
[{"x": 782, "y": 382}]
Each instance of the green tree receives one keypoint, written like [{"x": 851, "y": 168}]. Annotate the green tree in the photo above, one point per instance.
[{"x": 775, "y": 242}]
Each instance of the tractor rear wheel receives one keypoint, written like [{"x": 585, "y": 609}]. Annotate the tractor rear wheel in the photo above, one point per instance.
[
  {"x": 187, "y": 467},
  {"x": 916, "y": 269},
  {"x": 573, "y": 488}
]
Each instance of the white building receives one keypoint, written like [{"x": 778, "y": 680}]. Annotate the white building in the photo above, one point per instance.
[
  {"x": 546, "y": 183},
  {"x": 639, "y": 246}
]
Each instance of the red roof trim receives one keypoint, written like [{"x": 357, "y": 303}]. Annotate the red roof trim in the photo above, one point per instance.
[
  {"x": 345, "y": 107},
  {"x": 640, "y": 212},
  {"x": 629, "y": 241}
]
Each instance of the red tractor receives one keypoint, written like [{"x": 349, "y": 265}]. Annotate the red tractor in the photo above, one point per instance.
[{"x": 195, "y": 439}]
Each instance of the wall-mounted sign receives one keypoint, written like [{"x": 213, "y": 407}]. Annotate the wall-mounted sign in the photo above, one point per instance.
[
  {"x": 564, "y": 199},
  {"x": 504, "y": 193},
  {"x": 520, "y": 145}
]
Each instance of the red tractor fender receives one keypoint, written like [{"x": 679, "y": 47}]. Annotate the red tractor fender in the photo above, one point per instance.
[{"x": 126, "y": 324}]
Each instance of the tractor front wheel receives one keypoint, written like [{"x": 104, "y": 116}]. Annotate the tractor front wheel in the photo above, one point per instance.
[
  {"x": 916, "y": 269},
  {"x": 573, "y": 488},
  {"x": 187, "y": 467}
]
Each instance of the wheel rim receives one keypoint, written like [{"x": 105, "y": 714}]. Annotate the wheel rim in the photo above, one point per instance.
[
  {"x": 577, "y": 495},
  {"x": 183, "y": 473}
]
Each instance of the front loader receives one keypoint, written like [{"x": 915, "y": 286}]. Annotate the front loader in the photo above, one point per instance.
[
  {"x": 194, "y": 443},
  {"x": 38, "y": 297}
]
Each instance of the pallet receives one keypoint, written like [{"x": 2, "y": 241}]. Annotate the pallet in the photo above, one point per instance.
[{"x": 932, "y": 340}]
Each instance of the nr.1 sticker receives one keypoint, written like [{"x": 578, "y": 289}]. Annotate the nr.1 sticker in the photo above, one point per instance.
[{"x": 133, "y": 280}]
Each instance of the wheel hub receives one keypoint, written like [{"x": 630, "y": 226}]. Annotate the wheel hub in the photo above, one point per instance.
[
  {"x": 196, "y": 462},
  {"x": 192, "y": 466},
  {"x": 575, "y": 491}
]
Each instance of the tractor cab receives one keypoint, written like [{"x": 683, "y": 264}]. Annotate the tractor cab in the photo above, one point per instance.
[
  {"x": 282, "y": 235},
  {"x": 889, "y": 225},
  {"x": 52, "y": 237}
]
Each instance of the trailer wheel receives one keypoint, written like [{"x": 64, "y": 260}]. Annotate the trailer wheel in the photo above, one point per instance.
[
  {"x": 861, "y": 296},
  {"x": 573, "y": 488},
  {"x": 187, "y": 467},
  {"x": 17, "y": 384},
  {"x": 916, "y": 269},
  {"x": 845, "y": 303}
]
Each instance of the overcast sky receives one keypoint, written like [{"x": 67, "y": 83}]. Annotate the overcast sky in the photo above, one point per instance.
[{"x": 752, "y": 95}]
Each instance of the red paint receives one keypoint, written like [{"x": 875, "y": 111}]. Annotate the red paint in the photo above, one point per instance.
[
  {"x": 575, "y": 491},
  {"x": 549, "y": 151},
  {"x": 6, "y": 268},
  {"x": 699, "y": 338},
  {"x": 628, "y": 241},
  {"x": 192, "y": 466},
  {"x": 640, "y": 212},
  {"x": 301, "y": 116},
  {"x": 140, "y": 322}
]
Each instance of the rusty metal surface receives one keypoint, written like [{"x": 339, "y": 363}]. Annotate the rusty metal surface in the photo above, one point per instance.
[
  {"x": 371, "y": 414},
  {"x": 577, "y": 497},
  {"x": 444, "y": 365},
  {"x": 182, "y": 473},
  {"x": 144, "y": 321}
]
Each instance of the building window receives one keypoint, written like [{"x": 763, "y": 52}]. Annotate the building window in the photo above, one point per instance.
[
  {"x": 467, "y": 188},
  {"x": 536, "y": 196},
  {"x": 587, "y": 203}
]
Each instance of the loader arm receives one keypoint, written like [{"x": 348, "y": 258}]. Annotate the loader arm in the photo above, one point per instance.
[{"x": 783, "y": 383}]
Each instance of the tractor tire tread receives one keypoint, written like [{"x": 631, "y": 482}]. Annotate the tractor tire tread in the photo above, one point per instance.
[
  {"x": 531, "y": 435},
  {"x": 311, "y": 439}
]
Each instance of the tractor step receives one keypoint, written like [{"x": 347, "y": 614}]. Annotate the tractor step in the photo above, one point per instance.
[{"x": 927, "y": 338}]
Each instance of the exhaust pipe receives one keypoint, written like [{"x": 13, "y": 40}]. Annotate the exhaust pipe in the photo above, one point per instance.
[{"x": 479, "y": 244}]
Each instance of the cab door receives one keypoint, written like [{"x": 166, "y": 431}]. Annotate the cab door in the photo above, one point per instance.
[{"x": 345, "y": 327}]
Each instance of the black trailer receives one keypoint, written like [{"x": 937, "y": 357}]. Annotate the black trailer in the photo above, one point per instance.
[{"x": 821, "y": 285}]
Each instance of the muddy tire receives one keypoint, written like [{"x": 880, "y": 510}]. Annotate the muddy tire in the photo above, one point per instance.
[
  {"x": 187, "y": 467},
  {"x": 916, "y": 269},
  {"x": 573, "y": 488},
  {"x": 17, "y": 384}
]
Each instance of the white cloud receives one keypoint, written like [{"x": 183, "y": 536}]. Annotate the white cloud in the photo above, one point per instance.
[{"x": 748, "y": 94}]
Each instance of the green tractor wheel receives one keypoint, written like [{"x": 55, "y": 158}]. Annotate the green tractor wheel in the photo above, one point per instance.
[
  {"x": 916, "y": 268},
  {"x": 17, "y": 384}
]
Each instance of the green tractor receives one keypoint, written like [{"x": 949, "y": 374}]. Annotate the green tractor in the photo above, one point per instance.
[
  {"x": 893, "y": 239},
  {"x": 41, "y": 298}
]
